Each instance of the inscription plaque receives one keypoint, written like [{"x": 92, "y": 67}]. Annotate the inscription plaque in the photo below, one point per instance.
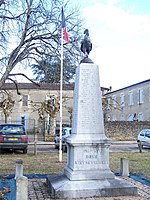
[
  {"x": 91, "y": 158},
  {"x": 89, "y": 101}
]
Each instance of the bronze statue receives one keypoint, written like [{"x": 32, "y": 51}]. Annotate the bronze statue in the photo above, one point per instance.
[{"x": 86, "y": 45}]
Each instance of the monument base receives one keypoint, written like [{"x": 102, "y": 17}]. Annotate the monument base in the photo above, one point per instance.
[{"x": 61, "y": 187}]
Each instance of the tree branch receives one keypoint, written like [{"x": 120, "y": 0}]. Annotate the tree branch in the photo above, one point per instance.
[{"x": 20, "y": 74}]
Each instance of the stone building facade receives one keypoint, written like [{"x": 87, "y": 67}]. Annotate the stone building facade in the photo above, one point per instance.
[
  {"x": 31, "y": 94},
  {"x": 131, "y": 103}
]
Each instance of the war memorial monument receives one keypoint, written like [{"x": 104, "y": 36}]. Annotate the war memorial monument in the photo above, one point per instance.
[{"x": 87, "y": 173}]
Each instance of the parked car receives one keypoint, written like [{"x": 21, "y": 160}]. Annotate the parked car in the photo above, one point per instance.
[
  {"x": 13, "y": 137},
  {"x": 66, "y": 132},
  {"x": 144, "y": 138}
]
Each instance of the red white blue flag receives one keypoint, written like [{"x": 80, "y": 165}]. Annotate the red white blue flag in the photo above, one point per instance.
[{"x": 64, "y": 26}]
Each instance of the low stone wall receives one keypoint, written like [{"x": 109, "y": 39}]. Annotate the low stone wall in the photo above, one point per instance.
[
  {"x": 49, "y": 138},
  {"x": 124, "y": 128}
]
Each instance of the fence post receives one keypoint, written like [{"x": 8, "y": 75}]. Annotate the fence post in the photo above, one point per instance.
[
  {"x": 35, "y": 144},
  {"x": 21, "y": 182},
  {"x": 140, "y": 147},
  {"x": 19, "y": 168},
  {"x": 124, "y": 167}
]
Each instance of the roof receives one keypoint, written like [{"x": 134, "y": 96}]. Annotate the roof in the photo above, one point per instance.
[
  {"x": 41, "y": 86},
  {"x": 38, "y": 86},
  {"x": 139, "y": 83}
]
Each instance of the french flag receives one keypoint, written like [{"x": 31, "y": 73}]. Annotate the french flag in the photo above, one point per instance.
[{"x": 64, "y": 26}]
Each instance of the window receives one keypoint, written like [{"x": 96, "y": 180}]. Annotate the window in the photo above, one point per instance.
[
  {"x": 108, "y": 118},
  {"x": 47, "y": 98},
  {"x": 50, "y": 99},
  {"x": 108, "y": 104},
  {"x": 25, "y": 100},
  {"x": 114, "y": 118},
  {"x": 140, "y": 117},
  {"x": 114, "y": 101},
  {"x": 122, "y": 117},
  {"x": 23, "y": 120},
  {"x": 130, "y": 98},
  {"x": 147, "y": 134},
  {"x": 140, "y": 96},
  {"x": 142, "y": 133},
  {"x": 122, "y": 100},
  {"x": 131, "y": 117}
]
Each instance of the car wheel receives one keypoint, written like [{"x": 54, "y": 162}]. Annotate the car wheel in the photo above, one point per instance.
[
  {"x": 25, "y": 150},
  {"x": 56, "y": 147},
  {"x": 64, "y": 148}
]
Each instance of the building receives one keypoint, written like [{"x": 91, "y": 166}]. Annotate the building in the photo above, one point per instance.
[
  {"x": 25, "y": 109},
  {"x": 128, "y": 104}
]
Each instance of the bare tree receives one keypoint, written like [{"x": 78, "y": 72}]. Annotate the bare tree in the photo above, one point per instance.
[
  {"x": 70, "y": 111},
  {"x": 109, "y": 103},
  {"x": 6, "y": 103},
  {"x": 51, "y": 106},
  {"x": 30, "y": 30}
]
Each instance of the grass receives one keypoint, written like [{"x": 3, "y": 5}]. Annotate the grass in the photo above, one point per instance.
[
  {"x": 43, "y": 163},
  {"x": 139, "y": 163},
  {"x": 123, "y": 137},
  {"x": 47, "y": 163}
]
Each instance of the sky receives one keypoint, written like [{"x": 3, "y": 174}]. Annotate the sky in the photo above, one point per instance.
[{"x": 120, "y": 34}]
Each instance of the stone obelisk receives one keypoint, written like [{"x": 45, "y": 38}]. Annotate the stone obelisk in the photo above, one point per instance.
[{"x": 87, "y": 173}]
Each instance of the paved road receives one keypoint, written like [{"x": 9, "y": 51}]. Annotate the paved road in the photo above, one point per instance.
[{"x": 126, "y": 146}]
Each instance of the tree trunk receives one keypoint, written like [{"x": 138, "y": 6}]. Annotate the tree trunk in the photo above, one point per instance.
[
  {"x": 52, "y": 126},
  {"x": 5, "y": 118}
]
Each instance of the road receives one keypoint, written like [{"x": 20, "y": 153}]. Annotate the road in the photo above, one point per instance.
[
  {"x": 47, "y": 147},
  {"x": 125, "y": 146}
]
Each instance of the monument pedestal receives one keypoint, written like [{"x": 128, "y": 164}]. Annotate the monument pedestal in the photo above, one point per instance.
[
  {"x": 87, "y": 173},
  {"x": 61, "y": 187},
  {"x": 88, "y": 161}
]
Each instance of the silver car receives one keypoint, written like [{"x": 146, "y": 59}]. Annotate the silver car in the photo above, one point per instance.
[
  {"x": 144, "y": 138},
  {"x": 66, "y": 132}
]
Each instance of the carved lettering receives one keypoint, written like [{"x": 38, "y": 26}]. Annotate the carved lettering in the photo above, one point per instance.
[{"x": 91, "y": 156}]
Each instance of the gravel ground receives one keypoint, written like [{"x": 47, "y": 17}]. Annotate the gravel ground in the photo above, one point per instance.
[{"x": 39, "y": 190}]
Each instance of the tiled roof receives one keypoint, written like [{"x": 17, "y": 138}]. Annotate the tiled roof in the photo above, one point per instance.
[
  {"x": 38, "y": 86},
  {"x": 41, "y": 86}
]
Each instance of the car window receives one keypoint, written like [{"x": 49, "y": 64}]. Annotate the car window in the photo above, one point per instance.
[
  {"x": 142, "y": 133},
  {"x": 11, "y": 129},
  {"x": 57, "y": 132},
  {"x": 147, "y": 134},
  {"x": 63, "y": 132}
]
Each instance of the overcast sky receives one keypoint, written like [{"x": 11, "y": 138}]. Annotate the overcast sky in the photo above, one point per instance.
[{"x": 120, "y": 33}]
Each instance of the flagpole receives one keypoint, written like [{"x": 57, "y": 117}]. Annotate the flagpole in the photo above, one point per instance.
[{"x": 61, "y": 80}]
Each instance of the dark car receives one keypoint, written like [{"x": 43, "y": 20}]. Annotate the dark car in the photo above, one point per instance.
[{"x": 13, "y": 137}]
